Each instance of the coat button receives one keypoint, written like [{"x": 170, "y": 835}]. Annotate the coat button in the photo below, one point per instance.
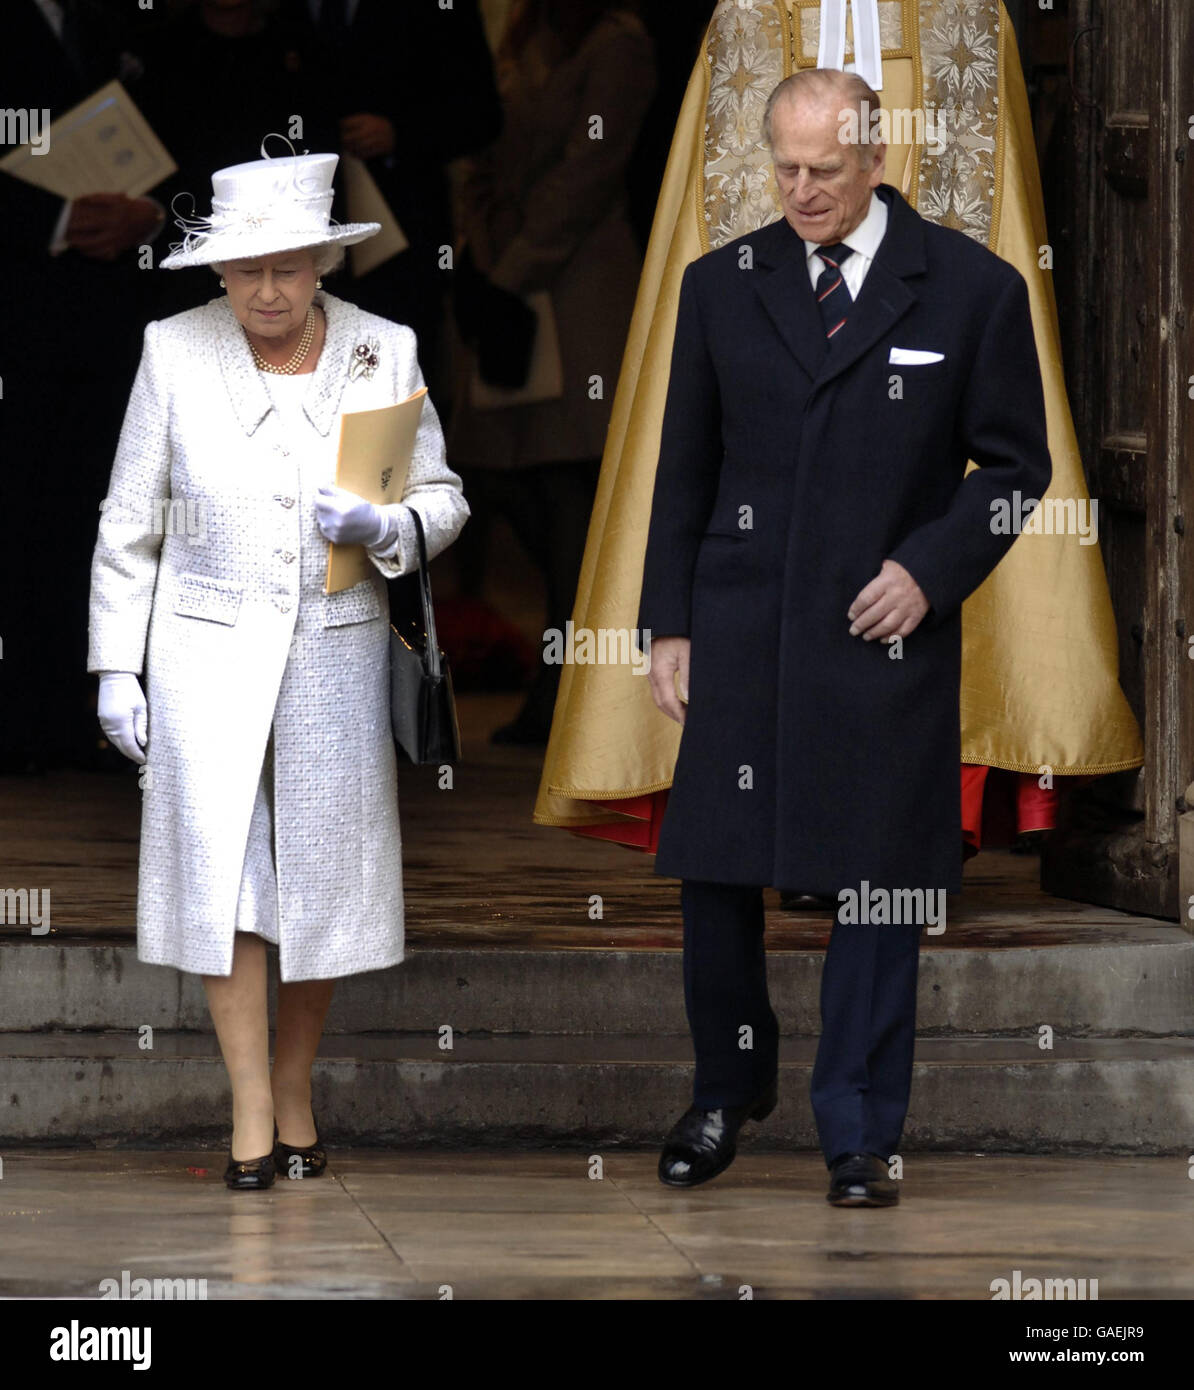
[
  {"x": 288, "y": 557},
  {"x": 286, "y": 501},
  {"x": 283, "y": 607}
]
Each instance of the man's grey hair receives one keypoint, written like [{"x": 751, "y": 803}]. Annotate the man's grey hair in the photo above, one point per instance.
[
  {"x": 823, "y": 84},
  {"x": 325, "y": 259}
]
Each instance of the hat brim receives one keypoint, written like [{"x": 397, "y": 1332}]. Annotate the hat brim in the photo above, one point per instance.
[{"x": 222, "y": 246}]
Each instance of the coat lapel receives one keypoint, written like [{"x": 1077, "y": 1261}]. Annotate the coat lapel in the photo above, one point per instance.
[
  {"x": 884, "y": 299},
  {"x": 321, "y": 403},
  {"x": 247, "y": 391},
  {"x": 788, "y": 296}
]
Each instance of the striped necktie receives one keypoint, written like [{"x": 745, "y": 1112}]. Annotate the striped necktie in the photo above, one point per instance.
[{"x": 833, "y": 294}]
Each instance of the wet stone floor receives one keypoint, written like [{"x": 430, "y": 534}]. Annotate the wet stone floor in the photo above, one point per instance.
[{"x": 569, "y": 1224}]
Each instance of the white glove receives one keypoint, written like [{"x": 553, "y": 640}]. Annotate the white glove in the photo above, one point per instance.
[
  {"x": 123, "y": 713},
  {"x": 346, "y": 519}
]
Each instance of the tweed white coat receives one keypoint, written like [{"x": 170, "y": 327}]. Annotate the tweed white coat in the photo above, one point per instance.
[{"x": 208, "y": 577}]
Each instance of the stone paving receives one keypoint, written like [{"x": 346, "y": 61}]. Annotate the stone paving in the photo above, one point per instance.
[{"x": 579, "y": 1225}]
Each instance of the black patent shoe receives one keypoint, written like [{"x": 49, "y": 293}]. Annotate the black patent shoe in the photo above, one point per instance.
[
  {"x": 807, "y": 902},
  {"x": 251, "y": 1174},
  {"x": 313, "y": 1159},
  {"x": 703, "y": 1143},
  {"x": 860, "y": 1180}
]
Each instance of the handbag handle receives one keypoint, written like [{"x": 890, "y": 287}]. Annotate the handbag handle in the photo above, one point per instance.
[{"x": 431, "y": 661}]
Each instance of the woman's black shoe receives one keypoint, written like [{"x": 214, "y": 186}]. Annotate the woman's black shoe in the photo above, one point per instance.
[
  {"x": 704, "y": 1143},
  {"x": 251, "y": 1175},
  {"x": 313, "y": 1160}
]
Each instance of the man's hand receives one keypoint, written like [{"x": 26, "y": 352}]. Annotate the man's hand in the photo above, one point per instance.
[
  {"x": 367, "y": 136},
  {"x": 891, "y": 605},
  {"x": 102, "y": 225},
  {"x": 669, "y": 659}
]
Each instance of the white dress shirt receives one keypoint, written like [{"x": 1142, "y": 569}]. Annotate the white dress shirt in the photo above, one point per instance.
[
  {"x": 863, "y": 241},
  {"x": 52, "y": 10},
  {"x": 314, "y": 7},
  {"x": 52, "y": 13}
]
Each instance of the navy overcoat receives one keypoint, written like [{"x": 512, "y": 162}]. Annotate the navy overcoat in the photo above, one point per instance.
[{"x": 789, "y": 469}]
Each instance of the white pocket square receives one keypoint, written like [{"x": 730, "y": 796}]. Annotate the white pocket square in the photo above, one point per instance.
[{"x": 914, "y": 357}]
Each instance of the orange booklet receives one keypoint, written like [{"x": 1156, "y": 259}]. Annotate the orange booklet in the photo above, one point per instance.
[{"x": 374, "y": 460}]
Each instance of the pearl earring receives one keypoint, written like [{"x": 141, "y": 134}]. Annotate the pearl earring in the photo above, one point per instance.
[
  {"x": 223, "y": 286},
  {"x": 319, "y": 284}
]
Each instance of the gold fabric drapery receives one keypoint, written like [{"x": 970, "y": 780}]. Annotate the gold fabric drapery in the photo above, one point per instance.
[{"x": 1039, "y": 665}]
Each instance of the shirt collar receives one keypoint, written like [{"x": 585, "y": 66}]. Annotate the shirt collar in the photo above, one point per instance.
[
  {"x": 865, "y": 238},
  {"x": 54, "y": 17}
]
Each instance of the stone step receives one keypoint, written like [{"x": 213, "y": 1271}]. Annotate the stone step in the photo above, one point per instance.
[
  {"x": 1107, "y": 983},
  {"x": 1121, "y": 1095}
]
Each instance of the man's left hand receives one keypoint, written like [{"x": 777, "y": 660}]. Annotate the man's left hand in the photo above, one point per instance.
[
  {"x": 891, "y": 605},
  {"x": 367, "y": 136},
  {"x": 102, "y": 225}
]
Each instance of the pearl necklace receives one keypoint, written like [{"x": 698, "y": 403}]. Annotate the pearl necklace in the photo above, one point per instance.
[{"x": 300, "y": 353}]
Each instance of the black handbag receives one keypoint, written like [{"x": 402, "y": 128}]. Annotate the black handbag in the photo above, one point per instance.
[{"x": 422, "y": 706}]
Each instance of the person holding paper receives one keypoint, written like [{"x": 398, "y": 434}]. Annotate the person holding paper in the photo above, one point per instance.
[
  {"x": 71, "y": 282},
  {"x": 263, "y": 732}
]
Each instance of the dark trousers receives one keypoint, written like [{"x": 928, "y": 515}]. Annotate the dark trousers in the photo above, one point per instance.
[{"x": 863, "y": 1072}]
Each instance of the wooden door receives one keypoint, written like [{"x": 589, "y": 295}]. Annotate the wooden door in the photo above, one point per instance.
[{"x": 1131, "y": 375}]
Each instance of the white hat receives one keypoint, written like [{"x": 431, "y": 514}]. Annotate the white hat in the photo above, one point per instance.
[{"x": 265, "y": 207}]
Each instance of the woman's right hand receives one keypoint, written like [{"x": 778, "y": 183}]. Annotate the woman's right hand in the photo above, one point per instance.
[{"x": 123, "y": 713}]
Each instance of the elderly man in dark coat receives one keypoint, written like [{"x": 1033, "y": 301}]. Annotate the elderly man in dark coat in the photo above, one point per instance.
[{"x": 813, "y": 534}]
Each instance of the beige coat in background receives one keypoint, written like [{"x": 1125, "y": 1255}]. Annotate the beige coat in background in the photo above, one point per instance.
[{"x": 545, "y": 208}]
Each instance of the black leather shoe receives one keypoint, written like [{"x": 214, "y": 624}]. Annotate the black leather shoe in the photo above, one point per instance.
[
  {"x": 251, "y": 1175},
  {"x": 807, "y": 902},
  {"x": 703, "y": 1143},
  {"x": 314, "y": 1159},
  {"x": 860, "y": 1180}
]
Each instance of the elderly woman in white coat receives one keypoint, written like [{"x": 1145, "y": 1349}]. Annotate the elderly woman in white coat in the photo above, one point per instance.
[{"x": 269, "y": 778}]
